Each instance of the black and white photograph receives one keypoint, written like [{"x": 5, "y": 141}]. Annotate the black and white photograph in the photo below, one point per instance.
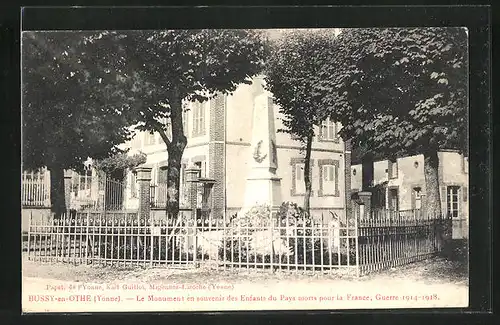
[{"x": 245, "y": 169}]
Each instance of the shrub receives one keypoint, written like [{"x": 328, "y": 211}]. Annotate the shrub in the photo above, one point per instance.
[
  {"x": 155, "y": 249},
  {"x": 238, "y": 246},
  {"x": 304, "y": 240},
  {"x": 233, "y": 250}
]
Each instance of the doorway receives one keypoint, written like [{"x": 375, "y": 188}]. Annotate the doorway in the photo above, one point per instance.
[{"x": 393, "y": 199}]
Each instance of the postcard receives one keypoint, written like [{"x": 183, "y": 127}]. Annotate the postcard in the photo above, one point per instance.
[{"x": 244, "y": 169}]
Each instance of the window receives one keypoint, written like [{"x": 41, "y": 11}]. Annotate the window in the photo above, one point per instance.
[
  {"x": 185, "y": 122},
  {"x": 162, "y": 175},
  {"x": 297, "y": 170},
  {"x": 300, "y": 188},
  {"x": 393, "y": 169},
  {"x": 328, "y": 131},
  {"x": 81, "y": 183},
  {"x": 154, "y": 174},
  {"x": 149, "y": 138},
  {"x": 452, "y": 195},
  {"x": 393, "y": 199},
  {"x": 417, "y": 198},
  {"x": 328, "y": 179},
  {"x": 202, "y": 165},
  {"x": 198, "y": 119},
  {"x": 136, "y": 141}
]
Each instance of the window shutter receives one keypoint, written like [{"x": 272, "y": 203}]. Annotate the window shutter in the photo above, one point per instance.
[
  {"x": 331, "y": 131},
  {"x": 195, "y": 118},
  {"x": 202, "y": 119},
  {"x": 465, "y": 194},
  {"x": 336, "y": 179},
  {"x": 157, "y": 174},
  {"x": 444, "y": 200}
]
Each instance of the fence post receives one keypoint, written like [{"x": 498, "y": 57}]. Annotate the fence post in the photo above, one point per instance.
[
  {"x": 192, "y": 178},
  {"x": 143, "y": 180},
  {"x": 67, "y": 188}
]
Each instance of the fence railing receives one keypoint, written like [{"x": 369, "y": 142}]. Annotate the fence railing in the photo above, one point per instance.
[
  {"x": 96, "y": 193},
  {"x": 397, "y": 238},
  {"x": 35, "y": 190},
  {"x": 124, "y": 239},
  {"x": 270, "y": 242}
]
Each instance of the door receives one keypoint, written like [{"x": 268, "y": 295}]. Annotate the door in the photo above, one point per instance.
[{"x": 393, "y": 199}]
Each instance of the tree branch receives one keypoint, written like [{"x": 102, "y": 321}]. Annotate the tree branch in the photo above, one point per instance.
[{"x": 159, "y": 128}]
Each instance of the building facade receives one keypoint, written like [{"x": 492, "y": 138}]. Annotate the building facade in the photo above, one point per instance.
[
  {"x": 404, "y": 181},
  {"x": 219, "y": 135}
]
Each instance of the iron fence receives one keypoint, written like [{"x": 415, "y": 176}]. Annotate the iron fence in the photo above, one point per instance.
[
  {"x": 35, "y": 189},
  {"x": 124, "y": 239},
  {"x": 273, "y": 242},
  {"x": 87, "y": 191},
  {"x": 394, "y": 238}
]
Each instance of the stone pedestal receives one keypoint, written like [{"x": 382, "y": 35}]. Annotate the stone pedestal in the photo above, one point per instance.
[
  {"x": 192, "y": 175},
  {"x": 263, "y": 186},
  {"x": 143, "y": 181}
]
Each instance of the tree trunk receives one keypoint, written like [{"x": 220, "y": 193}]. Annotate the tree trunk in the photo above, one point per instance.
[
  {"x": 175, "y": 149},
  {"x": 433, "y": 198},
  {"x": 307, "y": 175},
  {"x": 57, "y": 191},
  {"x": 367, "y": 172}
]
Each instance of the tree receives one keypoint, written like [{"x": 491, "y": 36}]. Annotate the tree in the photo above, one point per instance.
[
  {"x": 64, "y": 119},
  {"x": 120, "y": 161},
  {"x": 291, "y": 75},
  {"x": 166, "y": 69},
  {"x": 401, "y": 91},
  {"x": 116, "y": 165}
]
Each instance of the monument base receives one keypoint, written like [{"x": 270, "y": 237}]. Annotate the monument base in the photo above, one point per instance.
[{"x": 262, "y": 191}]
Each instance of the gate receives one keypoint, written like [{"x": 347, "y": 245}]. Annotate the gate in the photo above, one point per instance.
[{"x": 96, "y": 191}]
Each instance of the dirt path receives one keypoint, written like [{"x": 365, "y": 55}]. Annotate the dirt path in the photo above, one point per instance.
[{"x": 432, "y": 283}]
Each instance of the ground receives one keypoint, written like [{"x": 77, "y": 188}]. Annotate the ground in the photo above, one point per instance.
[
  {"x": 431, "y": 271},
  {"x": 435, "y": 282}
]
